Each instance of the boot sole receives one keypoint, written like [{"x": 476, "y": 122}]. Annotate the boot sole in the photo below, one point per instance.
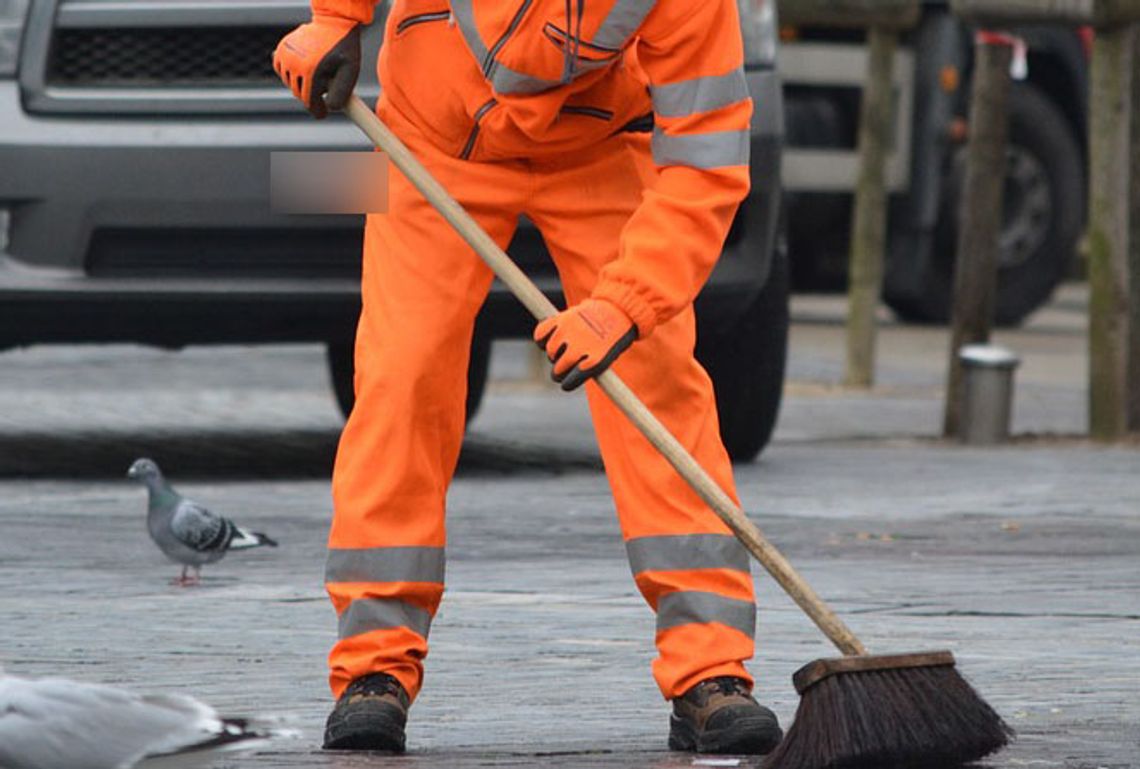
[
  {"x": 365, "y": 728},
  {"x": 746, "y": 736}
]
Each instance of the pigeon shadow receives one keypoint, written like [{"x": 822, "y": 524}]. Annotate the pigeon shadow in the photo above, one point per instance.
[{"x": 246, "y": 454}]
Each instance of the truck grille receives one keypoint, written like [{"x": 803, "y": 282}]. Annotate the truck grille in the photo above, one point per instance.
[
  {"x": 165, "y": 56},
  {"x": 184, "y": 252}
]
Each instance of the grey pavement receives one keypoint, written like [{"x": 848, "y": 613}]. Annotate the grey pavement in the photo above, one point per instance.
[{"x": 1024, "y": 560}]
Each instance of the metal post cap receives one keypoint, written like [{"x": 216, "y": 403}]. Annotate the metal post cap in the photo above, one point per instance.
[{"x": 987, "y": 356}]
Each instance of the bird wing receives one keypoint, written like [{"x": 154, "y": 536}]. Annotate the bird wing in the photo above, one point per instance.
[
  {"x": 59, "y": 724},
  {"x": 199, "y": 529}
]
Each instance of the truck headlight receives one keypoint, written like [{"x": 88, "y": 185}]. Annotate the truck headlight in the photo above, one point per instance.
[
  {"x": 758, "y": 23},
  {"x": 12, "y": 15}
]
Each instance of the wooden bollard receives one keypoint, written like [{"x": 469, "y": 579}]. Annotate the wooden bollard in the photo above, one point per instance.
[
  {"x": 1134, "y": 251},
  {"x": 869, "y": 214},
  {"x": 979, "y": 220},
  {"x": 1108, "y": 233}
]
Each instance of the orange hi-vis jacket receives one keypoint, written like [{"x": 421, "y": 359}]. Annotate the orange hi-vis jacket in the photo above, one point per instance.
[{"x": 533, "y": 78}]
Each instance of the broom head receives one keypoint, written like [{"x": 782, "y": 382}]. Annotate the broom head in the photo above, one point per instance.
[{"x": 887, "y": 712}]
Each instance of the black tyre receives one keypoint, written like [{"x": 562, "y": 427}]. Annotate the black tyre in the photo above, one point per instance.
[
  {"x": 747, "y": 363},
  {"x": 340, "y": 368},
  {"x": 1043, "y": 212}
]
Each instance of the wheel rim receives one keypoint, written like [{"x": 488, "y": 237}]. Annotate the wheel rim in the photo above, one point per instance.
[{"x": 1027, "y": 207}]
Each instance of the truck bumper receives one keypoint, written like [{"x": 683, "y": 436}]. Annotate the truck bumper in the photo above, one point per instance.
[{"x": 158, "y": 230}]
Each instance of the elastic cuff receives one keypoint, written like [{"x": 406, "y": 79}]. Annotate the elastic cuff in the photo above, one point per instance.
[
  {"x": 356, "y": 11},
  {"x": 632, "y": 303}
]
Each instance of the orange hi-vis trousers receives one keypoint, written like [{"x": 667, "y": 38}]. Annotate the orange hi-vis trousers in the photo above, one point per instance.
[{"x": 422, "y": 287}]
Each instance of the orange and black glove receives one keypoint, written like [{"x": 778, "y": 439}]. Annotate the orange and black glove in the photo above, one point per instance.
[
  {"x": 320, "y": 57},
  {"x": 584, "y": 340}
]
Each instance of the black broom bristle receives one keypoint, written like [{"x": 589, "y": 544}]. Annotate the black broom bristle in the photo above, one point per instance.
[{"x": 928, "y": 717}]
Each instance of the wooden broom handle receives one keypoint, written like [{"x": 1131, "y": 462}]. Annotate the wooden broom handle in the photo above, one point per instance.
[{"x": 541, "y": 308}]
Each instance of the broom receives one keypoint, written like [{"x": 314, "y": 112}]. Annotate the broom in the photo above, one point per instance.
[{"x": 859, "y": 710}]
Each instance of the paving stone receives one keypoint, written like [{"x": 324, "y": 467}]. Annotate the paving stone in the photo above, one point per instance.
[{"x": 1024, "y": 560}]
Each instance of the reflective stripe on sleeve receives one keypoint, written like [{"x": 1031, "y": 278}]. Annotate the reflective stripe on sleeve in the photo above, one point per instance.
[
  {"x": 686, "y": 551},
  {"x": 687, "y": 607},
  {"x": 708, "y": 150},
  {"x": 367, "y": 614},
  {"x": 385, "y": 564},
  {"x": 700, "y": 94}
]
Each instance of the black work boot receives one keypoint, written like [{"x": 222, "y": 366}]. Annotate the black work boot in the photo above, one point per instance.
[
  {"x": 719, "y": 715},
  {"x": 370, "y": 715}
]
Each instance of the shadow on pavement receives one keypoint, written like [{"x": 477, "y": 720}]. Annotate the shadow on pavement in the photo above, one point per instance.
[{"x": 271, "y": 454}]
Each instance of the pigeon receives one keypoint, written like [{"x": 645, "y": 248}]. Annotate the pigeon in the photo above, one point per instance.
[
  {"x": 186, "y": 532},
  {"x": 56, "y": 723}
]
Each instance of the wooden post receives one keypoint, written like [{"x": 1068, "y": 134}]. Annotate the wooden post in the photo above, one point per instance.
[
  {"x": 1108, "y": 232},
  {"x": 979, "y": 219},
  {"x": 869, "y": 219},
  {"x": 1134, "y": 248}
]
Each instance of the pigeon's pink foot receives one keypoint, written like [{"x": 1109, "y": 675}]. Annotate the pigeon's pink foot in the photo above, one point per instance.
[{"x": 186, "y": 580}]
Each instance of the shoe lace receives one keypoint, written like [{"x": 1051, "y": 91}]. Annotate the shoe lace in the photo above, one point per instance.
[
  {"x": 730, "y": 685},
  {"x": 376, "y": 684}
]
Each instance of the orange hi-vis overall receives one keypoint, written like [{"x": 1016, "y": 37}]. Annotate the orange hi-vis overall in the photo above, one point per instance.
[{"x": 526, "y": 107}]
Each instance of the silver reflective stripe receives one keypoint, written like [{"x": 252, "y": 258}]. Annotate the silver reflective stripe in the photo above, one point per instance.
[
  {"x": 385, "y": 564},
  {"x": 621, "y": 22},
  {"x": 709, "y": 150},
  {"x": 689, "y": 606},
  {"x": 464, "y": 13},
  {"x": 506, "y": 80},
  {"x": 701, "y": 94},
  {"x": 367, "y": 614},
  {"x": 686, "y": 551}
]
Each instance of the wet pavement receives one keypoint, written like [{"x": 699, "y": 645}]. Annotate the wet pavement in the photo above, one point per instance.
[{"x": 1024, "y": 560}]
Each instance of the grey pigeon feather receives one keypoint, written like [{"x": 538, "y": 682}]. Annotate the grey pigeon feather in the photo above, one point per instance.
[
  {"x": 55, "y": 723},
  {"x": 186, "y": 532}
]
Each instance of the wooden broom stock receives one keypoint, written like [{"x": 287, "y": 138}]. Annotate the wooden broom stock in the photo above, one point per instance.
[{"x": 540, "y": 307}]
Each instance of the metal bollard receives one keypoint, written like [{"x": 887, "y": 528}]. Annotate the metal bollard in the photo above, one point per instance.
[{"x": 987, "y": 393}]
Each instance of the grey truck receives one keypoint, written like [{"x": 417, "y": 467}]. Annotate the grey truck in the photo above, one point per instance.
[{"x": 135, "y": 138}]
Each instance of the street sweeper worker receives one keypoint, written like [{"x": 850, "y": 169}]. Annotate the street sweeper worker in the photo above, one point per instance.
[{"x": 620, "y": 128}]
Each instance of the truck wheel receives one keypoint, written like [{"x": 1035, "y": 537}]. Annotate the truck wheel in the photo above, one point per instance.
[
  {"x": 1044, "y": 205},
  {"x": 340, "y": 368},
  {"x": 746, "y": 364}
]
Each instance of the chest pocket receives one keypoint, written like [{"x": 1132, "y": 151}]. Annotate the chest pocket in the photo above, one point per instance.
[{"x": 583, "y": 54}]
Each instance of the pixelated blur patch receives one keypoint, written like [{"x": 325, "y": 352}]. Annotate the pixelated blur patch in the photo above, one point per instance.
[{"x": 328, "y": 182}]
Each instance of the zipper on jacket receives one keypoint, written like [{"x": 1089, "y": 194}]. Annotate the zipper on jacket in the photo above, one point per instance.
[
  {"x": 420, "y": 18},
  {"x": 489, "y": 60},
  {"x": 598, "y": 112},
  {"x": 471, "y": 137}
]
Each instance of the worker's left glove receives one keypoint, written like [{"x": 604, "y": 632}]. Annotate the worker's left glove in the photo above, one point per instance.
[
  {"x": 320, "y": 57},
  {"x": 584, "y": 340}
]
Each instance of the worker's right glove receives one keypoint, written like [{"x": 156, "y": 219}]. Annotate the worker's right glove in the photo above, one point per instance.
[
  {"x": 320, "y": 57},
  {"x": 584, "y": 340}
]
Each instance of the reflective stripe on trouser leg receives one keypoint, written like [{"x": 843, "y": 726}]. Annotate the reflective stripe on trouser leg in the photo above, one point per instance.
[
  {"x": 392, "y": 628},
  {"x": 677, "y": 545},
  {"x": 421, "y": 288}
]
